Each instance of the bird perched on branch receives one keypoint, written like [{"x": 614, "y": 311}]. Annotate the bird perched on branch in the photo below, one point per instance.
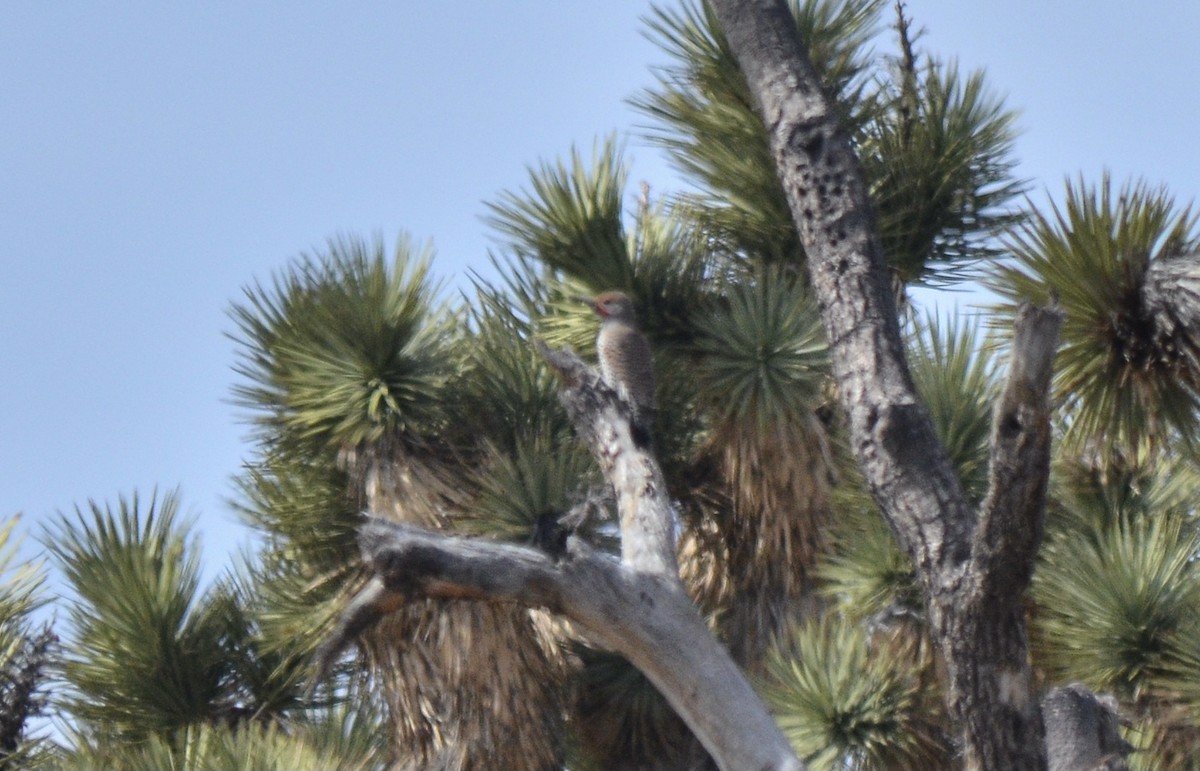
[{"x": 625, "y": 359}]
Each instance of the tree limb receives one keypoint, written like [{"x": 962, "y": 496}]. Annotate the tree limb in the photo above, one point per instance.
[
  {"x": 961, "y": 560},
  {"x": 635, "y": 606},
  {"x": 1170, "y": 296},
  {"x": 1011, "y": 517},
  {"x": 604, "y": 421},
  {"x": 906, "y": 467}
]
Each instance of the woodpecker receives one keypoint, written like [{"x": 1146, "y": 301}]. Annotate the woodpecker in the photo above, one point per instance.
[{"x": 625, "y": 359}]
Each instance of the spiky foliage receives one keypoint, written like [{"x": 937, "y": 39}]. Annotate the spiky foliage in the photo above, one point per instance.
[
  {"x": 939, "y": 163},
  {"x": 846, "y": 704},
  {"x": 1111, "y": 606},
  {"x": 1091, "y": 493},
  {"x": 333, "y": 355},
  {"x": 705, "y": 117},
  {"x": 157, "y": 672},
  {"x": 307, "y": 516},
  {"x": 345, "y": 349},
  {"x": 519, "y": 492},
  {"x": 1173, "y": 744},
  {"x": 24, "y": 697},
  {"x": 1124, "y": 527},
  {"x": 936, "y": 148},
  {"x": 334, "y": 740},
  {"x": 26, "y": 654},
  {"x": 144, "y": 656},
  {"x": 267, "y": 678},
  {"x": 760, "y": 369},
  {"x": 1172, "y": 723},
  {"x": 1126, "y": 375},
  {"x": 20, "y": 589},
  {"x": 954, "y": 370},
  {"x": 529, "y": 470},
  {"x": 866, "y": 576},
  {"x": 350, "y": 361},
  {"x": 570, "y": 218},
  {"x": 762, "y": 358},
  {"x": 866, "y": 573},
  {"x": 286, "y": 595},
  {"x": 505, "y": 393},
  {"x": 568, "y": 231}
]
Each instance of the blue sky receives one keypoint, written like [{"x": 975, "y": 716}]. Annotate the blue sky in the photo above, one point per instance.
[{"x": 157, "y": 157}]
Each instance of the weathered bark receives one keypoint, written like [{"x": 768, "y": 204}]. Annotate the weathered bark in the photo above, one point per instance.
[
  {"x": 1171, "y": 303},
  {"x": 973, "y": 566},
  {"x": 1083, "y": 731},
  {"x": 604, "y": 423},
  {"x": 635, "y": 606}
]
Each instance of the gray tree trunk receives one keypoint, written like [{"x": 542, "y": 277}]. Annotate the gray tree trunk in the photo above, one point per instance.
[{"x": 974, "y": 566}]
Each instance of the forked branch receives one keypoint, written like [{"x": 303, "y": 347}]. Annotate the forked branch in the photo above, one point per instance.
[{"x": 635, "y": 606}]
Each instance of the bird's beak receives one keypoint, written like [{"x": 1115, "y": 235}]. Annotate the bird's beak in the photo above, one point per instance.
[{"x": 581, "y": 299}]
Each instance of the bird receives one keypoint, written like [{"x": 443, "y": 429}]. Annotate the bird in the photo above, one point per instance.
[{"x": 626, "y": 362}]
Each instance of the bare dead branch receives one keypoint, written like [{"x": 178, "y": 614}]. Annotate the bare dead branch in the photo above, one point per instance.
[
  {"x": 605, "y": 422},
  {"x": 1171, "y": 299},
  {"x": 635, "y": 606},
  {"x": 1011, "y": 518},
  {"x": 649, "y": 621}
]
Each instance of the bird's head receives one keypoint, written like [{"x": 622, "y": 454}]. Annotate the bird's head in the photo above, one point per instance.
[{"x": 611, "y": 305}]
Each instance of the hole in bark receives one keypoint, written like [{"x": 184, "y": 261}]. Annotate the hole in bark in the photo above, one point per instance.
[{"x": 814, "y": 146}]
